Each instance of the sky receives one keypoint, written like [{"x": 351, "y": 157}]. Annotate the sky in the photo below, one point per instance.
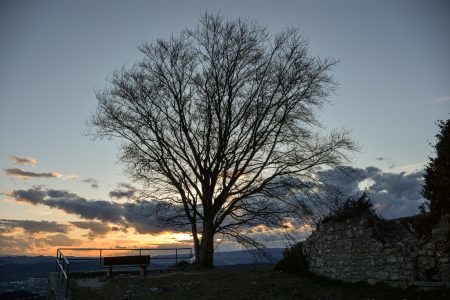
[{"x": 55, "y": 182}]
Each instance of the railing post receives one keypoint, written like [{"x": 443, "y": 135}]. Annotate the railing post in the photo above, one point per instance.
[
  {"x": 176, "y": 257},
  {"x": 62, "y": 275},
  {"x": 100, "y": 260},
  {"x": 140, "y": 252},
  {"x": 67, "y": 280}
]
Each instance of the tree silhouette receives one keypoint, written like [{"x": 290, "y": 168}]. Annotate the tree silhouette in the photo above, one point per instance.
[
  {"x": 219, "y": 125},
  {"x": 437, "y": 174}
]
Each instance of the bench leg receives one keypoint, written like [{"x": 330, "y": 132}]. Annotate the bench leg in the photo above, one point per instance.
[
  {"x": 109, "y": 272},
  {"x": 143, "y": 270}
]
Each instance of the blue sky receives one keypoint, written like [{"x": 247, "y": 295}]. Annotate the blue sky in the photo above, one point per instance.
[{"x": 394, "y": 76}]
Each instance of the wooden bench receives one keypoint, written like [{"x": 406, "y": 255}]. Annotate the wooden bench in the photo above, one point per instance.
[{"x": 142, "y": 260}]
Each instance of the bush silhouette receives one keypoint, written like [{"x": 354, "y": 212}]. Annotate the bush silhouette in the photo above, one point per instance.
[
  {"x": 352, "y": 208},
  {"x": 293, "y": 261}
]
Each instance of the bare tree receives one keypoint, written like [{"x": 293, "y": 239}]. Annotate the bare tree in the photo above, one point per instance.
[{"x": 219, "y": 125}]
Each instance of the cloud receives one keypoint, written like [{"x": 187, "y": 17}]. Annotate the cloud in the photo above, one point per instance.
[
  {"x": 394, "y": 194},
  {"x": 34, "y": 226},
  {"x": 116, "y": 228},
  {"x": 61, "y": 240},
  {"x": 140, "y": 215},
  {"x": 21, "y": 174},
  {"x": 12, "y": 245},
  {"x": 92, "y": 182},
  {"x": 96, "y": 229},
  {"x": 409, "y": 169},
  {"x": 30, "y": 244},
  {"x": 437, "y": 100},
  {"x": 123, "y": 191},
  {"x": 25, "y": 160}
]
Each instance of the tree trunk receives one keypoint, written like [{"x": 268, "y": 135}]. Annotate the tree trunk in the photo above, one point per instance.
[
  {"x": 196, "y": 244},
  {"x": 206, "y": 258}
]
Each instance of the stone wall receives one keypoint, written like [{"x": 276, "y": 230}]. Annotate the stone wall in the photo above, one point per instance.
[{"x": 381, "y": 251}]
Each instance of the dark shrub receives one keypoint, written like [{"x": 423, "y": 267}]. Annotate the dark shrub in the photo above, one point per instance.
[
  {"x": 422, "y": 223},
  {"x": 358, "y": 207},
  {"x": 293, "y": 261},
  {"x": 182, "y": 264}
]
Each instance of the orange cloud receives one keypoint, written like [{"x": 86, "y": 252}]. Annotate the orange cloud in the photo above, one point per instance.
[{"x": 21, "y": 174}]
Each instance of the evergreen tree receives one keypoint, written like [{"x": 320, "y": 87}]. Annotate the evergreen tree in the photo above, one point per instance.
[{"x": 436, "y": 188}]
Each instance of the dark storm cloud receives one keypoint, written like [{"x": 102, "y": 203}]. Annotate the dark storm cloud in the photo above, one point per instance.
[
  {"x": 21, "y": 174},
  {"x": 93, "y": 182},
  {"x": 34, "y": 226},
  {"x": 23, "y": 160},
  {"x": 394, "y": 194},
  {"x": 140, "y": 214},
  {"x": 96, "y": 227},
  {"x": 33, "y": 195}
]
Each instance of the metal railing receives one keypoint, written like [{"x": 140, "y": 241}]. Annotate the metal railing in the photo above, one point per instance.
[
  {"x": 63, "y": 261},
  {"x": 63, "y": 269}
]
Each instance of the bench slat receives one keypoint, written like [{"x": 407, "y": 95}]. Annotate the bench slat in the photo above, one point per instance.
[{"x": 126, "y": 260}]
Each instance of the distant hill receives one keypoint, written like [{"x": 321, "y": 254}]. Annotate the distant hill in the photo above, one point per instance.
[
  {"x": 22, "y": 267},
  {"x": 25, "y": 260},
  {"x": 271, "y": 256}
]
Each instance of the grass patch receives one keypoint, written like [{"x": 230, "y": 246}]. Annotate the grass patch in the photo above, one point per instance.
[{"x": 244, "y": 283}]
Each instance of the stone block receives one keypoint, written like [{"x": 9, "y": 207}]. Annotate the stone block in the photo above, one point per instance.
[
  {"x": 429, "y": 246},
  {"x": 444, "y": 259},
  {"x": 394, "y": 276},
  {"x": 389, "y": 250},
  {"x": 410, "y": 275},
  {"x": 429, "y": 284},
  {"x": 444, "y": 268},
  {"x": 440, "y": 232},
  {"x": 426, "y": 262},
  {"x": 409, "y": 266},
  {"x": 382, "y": 275},
  {"x": 391, "y": 259}
]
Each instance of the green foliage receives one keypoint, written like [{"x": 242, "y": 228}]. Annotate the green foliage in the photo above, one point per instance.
[
  {"x": 436, "y": 188},
  {"x": 358, "y": 207},
  {"x": 293, "y": 261}
]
